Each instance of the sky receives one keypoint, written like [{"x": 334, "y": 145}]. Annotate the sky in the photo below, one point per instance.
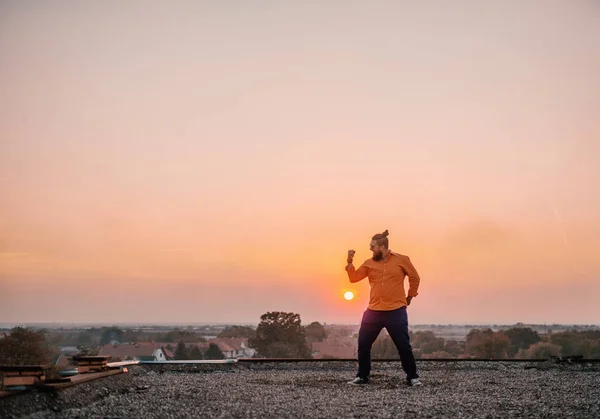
[{"x": 197, "y": 161}]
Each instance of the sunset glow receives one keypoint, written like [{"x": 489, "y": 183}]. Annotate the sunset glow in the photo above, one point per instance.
[
  {"x": 348, "y": 295},
  {"x": 212, "y": 161}
]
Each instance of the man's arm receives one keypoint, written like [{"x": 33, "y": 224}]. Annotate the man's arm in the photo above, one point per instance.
[
  {"x": 355, "y": 275},
  {"x": 413, "y": 278}
]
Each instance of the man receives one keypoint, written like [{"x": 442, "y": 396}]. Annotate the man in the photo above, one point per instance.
[{"x": 388, "y": 301}]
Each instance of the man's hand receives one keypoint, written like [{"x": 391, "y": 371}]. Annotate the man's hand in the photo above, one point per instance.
[
  {"x": 408, "y": 299},
  {"x": 350, "y": 256}
]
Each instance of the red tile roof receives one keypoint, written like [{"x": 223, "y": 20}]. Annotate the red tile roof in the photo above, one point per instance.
[
  {"x": 222, "y": 344},
  {"x": 168, "y": 354},
  {"x": 63, "y": 362},
  {"x": 129, "y": 350}
]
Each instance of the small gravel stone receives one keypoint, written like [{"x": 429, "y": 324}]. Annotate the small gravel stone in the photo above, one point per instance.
[{"x": 320, "y": 390}]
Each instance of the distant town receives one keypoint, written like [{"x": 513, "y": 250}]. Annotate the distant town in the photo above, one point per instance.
[
  {"x": 282, "y": 335},
  {"x": 456, "y": 332}
]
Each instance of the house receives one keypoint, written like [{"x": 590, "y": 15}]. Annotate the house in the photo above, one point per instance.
[
  {"x": 62, "y": 362},
  {"x": 234, "y": 347},
  {"x": 227, "y": 350},
  {"x": 231, "y": 347},
  {"x": 69, "y": 350},
  {"x": 169, "y": 348},
  {"x": 141, "y": 351},
  {"x": 168, "y": 353}
]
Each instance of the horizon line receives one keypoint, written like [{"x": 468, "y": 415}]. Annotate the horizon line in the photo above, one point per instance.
[{"x": 178, "y": 323}]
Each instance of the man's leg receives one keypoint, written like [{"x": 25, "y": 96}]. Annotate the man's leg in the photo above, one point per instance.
[
  {"x": 397, "y": 326},
  {"x": 370, "y": 327}
]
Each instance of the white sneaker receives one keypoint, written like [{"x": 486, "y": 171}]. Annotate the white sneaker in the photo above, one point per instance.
[
  {"x": 358, "y": 381},
  {"x": 415, "y": 382}
]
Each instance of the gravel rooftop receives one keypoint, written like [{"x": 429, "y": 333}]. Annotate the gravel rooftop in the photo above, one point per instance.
[{"x": 320, "y": 390}]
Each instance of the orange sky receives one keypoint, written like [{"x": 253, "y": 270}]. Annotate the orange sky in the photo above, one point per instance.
[{"x": 210, "y": 162}]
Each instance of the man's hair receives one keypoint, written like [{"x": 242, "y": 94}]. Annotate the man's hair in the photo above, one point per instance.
[{"x": 382, "y": 239}]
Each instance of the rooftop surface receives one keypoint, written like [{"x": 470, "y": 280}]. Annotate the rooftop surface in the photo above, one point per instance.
[{"x": 320, "y": 390}]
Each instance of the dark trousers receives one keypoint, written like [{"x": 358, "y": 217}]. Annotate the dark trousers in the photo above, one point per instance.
[{"x": 396, "y": 324}]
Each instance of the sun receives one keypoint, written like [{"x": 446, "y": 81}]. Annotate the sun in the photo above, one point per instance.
[{"x": 348, "y": 295}]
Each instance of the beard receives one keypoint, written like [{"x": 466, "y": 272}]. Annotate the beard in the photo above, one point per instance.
[{"x": 377, "y": 256}]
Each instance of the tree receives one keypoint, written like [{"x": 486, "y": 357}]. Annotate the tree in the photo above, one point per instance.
[
  {"x": 315, "y": 332},
  {"x": 384, "y": 348},
  {"x": 178, "y": 335},
  {"x": 24, "y": 346},
  {"x": 214, "y": 352},
  {"x": 85, "y": 339},
  {"x": 425, "y": 342},
  {"x": 280, "y": 335},
  {"x": 87, "y": 351},
  {"x": 593, "y": 351},
  {"x": 181, "y": 351},
  {"x": 237, "y": 332},
  {"x": 521, "y": 338},
  {"x": 55, "y": 338},
  {"x": 584, "y": 343},
  {"x": 567, "y": 341},
  {"x": 195, "y": 352},
  {"x": 340, "y": 331},
  {"x": 487, "y": 344},
  {"x": 110, "y": 334},
  {"x": 454, "y": 348},
  {"x": 540, "y": 350},
  {"x": 133, "y": 335}
]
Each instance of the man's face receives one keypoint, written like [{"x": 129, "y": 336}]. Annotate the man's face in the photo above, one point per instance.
[{"x": 377, "y": 251}]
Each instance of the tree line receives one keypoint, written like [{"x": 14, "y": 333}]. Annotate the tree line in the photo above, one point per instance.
[
  {"x": 193, "y": 352},
  {"x": 282, "y": 335},
  {"x": 512, "y": 343}
]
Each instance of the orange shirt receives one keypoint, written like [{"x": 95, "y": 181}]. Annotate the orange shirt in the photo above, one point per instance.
[{"x": 387, "y": 280}]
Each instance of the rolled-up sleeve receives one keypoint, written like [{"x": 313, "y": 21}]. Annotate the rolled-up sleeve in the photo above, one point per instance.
[
  {"x": 413, "y": 277},
  {"x": 355, "y": 275}
]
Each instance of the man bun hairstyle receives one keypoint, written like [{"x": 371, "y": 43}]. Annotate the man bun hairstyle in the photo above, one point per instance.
[{"x": 382, "y": 239}]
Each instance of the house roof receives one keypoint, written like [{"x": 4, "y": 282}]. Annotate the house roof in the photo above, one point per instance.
[
  {"x": 188, "y": 345},
  {"x": 62, "y": 361},
  {"x": 129, "y": 350},
  {"x": 222, "y": 344},
  {"x": 236, "y": 343}
]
